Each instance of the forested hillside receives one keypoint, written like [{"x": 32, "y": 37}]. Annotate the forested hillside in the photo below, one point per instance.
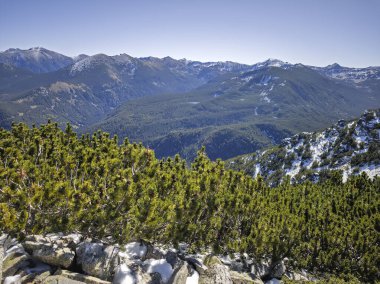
[
  {"x": 240, "y": 112},
  {"x": 53, "y": 181}
]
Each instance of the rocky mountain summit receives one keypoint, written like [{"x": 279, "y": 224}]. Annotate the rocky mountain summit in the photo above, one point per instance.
[
  {"x": 59, "y": 258},
  {"x": 351, "y": 147}
]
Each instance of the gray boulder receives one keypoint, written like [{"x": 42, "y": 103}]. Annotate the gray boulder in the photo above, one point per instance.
[
  {"x": 179, "y": 275},
  {"x": 216, "y": 273},
  {"x": 278, "y": 269},
  {"x": 260, "y": 270},
  {"x": 61, "y": 257},
  {"x": 98, "y": 260}
]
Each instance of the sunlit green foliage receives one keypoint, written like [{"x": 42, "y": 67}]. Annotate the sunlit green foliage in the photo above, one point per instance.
[{"x": 52, "y": 181}]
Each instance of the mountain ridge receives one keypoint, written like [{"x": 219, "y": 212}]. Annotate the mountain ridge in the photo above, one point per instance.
[
  {"x": 217, "y": 104},
  {"x": 267, "y": 62}
]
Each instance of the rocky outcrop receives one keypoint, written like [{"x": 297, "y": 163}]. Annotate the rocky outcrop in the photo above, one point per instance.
[
  {"x": 55, "y": 249},
  {"x": 68, "y": 259}
]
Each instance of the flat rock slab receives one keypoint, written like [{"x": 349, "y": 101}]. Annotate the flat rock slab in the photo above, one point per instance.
[
  {"x": 57, "y": 279},
  {"x": 11, "y": 265},
  {"x": 243, "y": 278},
  {"x": 81, "y": 277}
]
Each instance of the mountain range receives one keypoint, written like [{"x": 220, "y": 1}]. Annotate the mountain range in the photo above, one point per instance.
[{"x": 176, "y": 106}]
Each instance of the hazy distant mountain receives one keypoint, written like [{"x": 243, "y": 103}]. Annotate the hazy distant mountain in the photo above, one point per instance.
[
  {"x": 178, "y": 105},
  {"x": 37, "y": 59}
]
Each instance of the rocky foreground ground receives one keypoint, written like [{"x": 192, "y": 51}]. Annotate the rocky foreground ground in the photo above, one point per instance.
[{"x": 58, "y": 258}]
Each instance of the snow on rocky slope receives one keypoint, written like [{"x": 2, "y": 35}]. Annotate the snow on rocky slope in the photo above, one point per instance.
[
  {"x": 355, "y": 75},
  {"x": 351, "y": 147}
]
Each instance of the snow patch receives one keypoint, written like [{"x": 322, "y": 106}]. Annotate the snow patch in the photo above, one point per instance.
[
  {"x": 257, "y": 170},
  {"x": 266, "y": 99},
  {"x": 193, "y": 278},
  {"x": 370, "y": 170},
  {"x": 124, "y": 275},
  {"x": 247, "y": 79},
  {"x": 295, "y": 168},
  {"x": 133, "y": 250},
  {"x": 264, "y": 96},
  {"x": 13, "y": 279},
  {"x": 161, "y": 266},
  {"x": 273, "y": 281}
]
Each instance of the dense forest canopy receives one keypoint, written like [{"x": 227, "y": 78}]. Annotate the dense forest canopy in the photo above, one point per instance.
[{"x": 54, "y": 181}]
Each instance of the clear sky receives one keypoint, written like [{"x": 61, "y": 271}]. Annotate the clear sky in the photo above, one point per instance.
[{"x": 316, "y": 32}]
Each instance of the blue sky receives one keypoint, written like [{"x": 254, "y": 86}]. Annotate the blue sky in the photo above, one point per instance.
[{"x": 316, "y": 32}]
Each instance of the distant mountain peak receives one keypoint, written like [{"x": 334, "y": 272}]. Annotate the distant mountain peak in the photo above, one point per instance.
[
  {"x": 271, "y": 62},
  {"x": 35, "y": 59},
  {"x": 80, "y": 57},
  {"x": 334, "y": 66},
  {"x": 275, "y": 62}
]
